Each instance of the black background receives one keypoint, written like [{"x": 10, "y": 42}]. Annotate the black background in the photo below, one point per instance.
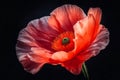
[{"x": 16, "y": 14}]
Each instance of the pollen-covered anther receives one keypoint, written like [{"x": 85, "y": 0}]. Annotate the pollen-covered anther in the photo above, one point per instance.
[{"x": 64, "y": 42}]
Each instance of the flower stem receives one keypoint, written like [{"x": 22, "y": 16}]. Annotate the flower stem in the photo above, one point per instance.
[{"x": 85, "y": 72}]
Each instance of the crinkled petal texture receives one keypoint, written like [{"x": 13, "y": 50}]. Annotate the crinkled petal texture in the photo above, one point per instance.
[
  {"x": 34, "y": 42},
  {"x": 63, "y": 18},
  {"x": 34, "y": 45}
]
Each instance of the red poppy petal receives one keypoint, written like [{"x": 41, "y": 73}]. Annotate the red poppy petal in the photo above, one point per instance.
[
  {"x": 40, "y": 55},
  {"x": 53, "y": 22},
  {"x": 39, "y": 30},
  {"x": 36, "y": 34},
  {"x": 84, "y": 29},
  {"x": 97, "y": 13},
  {"x": 34, "y": 42},
  {"x": 65, "y": 17},
  {"x": 30, "y": 66},
  {"x": 74, "y": 66},
  {"x": 61, "y": 56},
  {"x": 98, "y": 44},
  {"x": 33, "y": 59}
]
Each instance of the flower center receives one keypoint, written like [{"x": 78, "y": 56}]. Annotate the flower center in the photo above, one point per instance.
[{"x": 63, "y": 42}]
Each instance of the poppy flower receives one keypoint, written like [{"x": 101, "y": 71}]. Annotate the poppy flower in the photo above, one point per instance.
[{"x": 68, "y": 37}]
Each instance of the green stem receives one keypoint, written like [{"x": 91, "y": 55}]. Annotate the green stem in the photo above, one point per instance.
[{"x": 85, "y": 72}]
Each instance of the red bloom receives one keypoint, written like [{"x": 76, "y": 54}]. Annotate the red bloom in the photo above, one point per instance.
[{"x": 67, "y": 37}]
